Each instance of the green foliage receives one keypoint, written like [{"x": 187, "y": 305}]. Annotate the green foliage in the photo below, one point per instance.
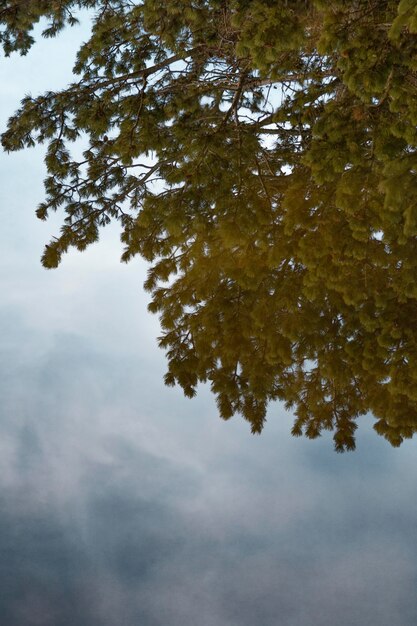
[{"x": 262, "y": 156}]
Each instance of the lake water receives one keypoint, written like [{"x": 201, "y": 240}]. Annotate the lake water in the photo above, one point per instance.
[{"x": 125, "y": 504}]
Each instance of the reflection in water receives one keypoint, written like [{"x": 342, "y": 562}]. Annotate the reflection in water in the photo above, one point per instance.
[
  {"x": 112, "y": 513},
  {"x": 291, "y": 251},
  {"x": 121, "y": 504}
]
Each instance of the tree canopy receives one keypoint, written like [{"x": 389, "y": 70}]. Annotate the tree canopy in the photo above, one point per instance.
[{"x": 261, "y": 155}]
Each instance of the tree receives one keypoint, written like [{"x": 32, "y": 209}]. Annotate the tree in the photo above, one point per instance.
[{"x": 262, "y": 156}]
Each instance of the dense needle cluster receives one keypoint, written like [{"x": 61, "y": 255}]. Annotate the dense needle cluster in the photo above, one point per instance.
[{"x": 262, "y": 156}]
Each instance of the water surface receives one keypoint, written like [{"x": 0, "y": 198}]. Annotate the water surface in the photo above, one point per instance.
[{"x": 123, "y": 503}]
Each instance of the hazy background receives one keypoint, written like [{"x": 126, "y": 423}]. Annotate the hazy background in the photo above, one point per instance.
[{"x": 125, "y": 504}]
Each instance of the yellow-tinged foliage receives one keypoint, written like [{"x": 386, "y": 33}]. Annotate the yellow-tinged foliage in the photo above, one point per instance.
[{"x": 262, "y": 156}]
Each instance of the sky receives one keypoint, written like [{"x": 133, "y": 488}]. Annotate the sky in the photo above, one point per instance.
[{"x": 124, "y": 503}]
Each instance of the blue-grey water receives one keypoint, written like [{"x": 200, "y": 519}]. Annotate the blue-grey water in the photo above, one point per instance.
[{"x": 124, "y": 504}]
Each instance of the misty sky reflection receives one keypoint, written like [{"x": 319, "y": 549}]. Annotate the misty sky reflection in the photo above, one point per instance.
[{"x": 123, "y": 503}]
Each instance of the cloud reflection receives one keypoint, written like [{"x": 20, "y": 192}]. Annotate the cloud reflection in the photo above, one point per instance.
[{"x": 122, "y": 506}]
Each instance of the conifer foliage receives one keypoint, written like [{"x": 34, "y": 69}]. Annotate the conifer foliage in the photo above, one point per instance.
[{"x": 262, "y": 156}]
